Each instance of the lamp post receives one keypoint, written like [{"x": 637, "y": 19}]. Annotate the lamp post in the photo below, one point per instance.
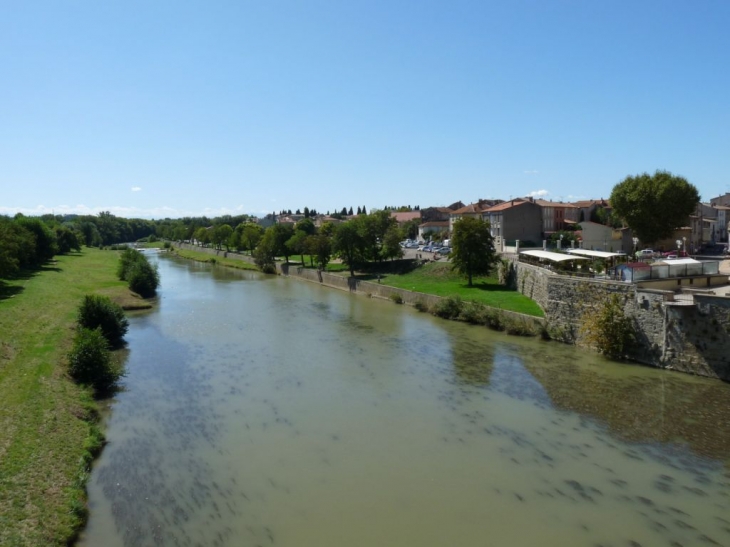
[
  {"x": 679, "y": 246},
  {"x": 636, "y": 243},
  {"x": 684, "y": 244},
  {"x": 560, "y": 242}
]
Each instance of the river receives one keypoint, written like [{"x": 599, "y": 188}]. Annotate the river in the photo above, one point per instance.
[{"x": 260, "y": 410}]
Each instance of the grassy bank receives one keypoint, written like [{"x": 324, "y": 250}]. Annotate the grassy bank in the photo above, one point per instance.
[
  {"x": 205, "y": 257},
  {"x": 47, "y": 433},
  {"x": 438, "y": 278}
]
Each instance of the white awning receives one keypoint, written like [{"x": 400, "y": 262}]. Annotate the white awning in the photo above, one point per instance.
[
  {"x": 677, "y": 261},
  {"x": 555, "y": 257},
  {"x": 597, "y": 254}
]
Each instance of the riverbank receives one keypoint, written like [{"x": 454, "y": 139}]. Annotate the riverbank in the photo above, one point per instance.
[{"x": 47, "y": 423}]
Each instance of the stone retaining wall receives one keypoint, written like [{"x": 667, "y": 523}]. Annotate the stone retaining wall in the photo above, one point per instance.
[{"x": 692, "y": 338}]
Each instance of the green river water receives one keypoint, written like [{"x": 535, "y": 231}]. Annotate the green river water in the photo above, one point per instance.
[{"x": 260, "y": 410}]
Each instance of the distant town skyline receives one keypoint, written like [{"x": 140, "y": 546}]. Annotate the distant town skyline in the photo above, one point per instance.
[{"x": 163, "y": 109}]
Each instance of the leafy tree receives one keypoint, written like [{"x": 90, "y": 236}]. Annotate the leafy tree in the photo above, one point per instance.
[
  {"x": 391, "y": 244},
  {"x": 320, "y": 246},
  {"x": 45, "y": 240},
  {"x": 265, "y": 253},
  {"x": 306, "y": 225},
  {"x": 306, "y": 212},
  {"x": 359, "y": 211},
  {"x": 327, "y": 229},
  {"x": 281, "y": 234},
  {"x": 220, "y": 235},
  {"x": 472, "y": 248},
  {"x": 653, "y": 206},
  {"x": 350, "y": 212},
  {"x": 251, "y": 234},
  {"x": 349, "y": 245},
  {"x": 410, "y": 228},
  {"x": 364, "y": 211},
  {"x": 67, "y": 239},
  {"x": 17, "y": 247},
  {"x": 297, "y": 243}
]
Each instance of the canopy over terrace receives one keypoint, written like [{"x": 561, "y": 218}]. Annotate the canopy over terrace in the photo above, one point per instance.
[
  {"x": 553, "y": 257},
  {"x": 594, "y": 254}
]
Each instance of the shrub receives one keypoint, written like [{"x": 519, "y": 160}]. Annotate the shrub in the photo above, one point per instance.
[
  {"x": 98, "y": 311},
  {"x": 608, "y": 328},
  {"x": 395, "y": 297},
  {"x": 144, "y": 279},
  {"x": 518, "y": 327},
  {"x": 420, "y": 305},
  {"x": 167, "y": 245},
  {"x": 90, "y": 362},
  {"x": 134, "y": 268},
  {"x": 474, "y": 312},
  {"x": 448, "y": 308}
]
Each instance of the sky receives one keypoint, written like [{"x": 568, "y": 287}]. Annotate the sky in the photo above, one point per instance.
[{"x": 179, "y": 108}]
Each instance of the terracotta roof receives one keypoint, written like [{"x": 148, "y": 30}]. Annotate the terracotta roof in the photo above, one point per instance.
[
  {"x": 506, "y": 205},
  {"x": 546, "y": 203},
  {"x": 589, "y": 202},
  {"x": 436, "y": 223},
  {"x": 405, "y": 217},
  {"x": 472, "y": 208}
]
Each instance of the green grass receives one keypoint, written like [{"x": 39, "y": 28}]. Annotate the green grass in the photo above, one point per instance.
[
  {"x": 439, "y": 279},
  {"x": 205, "y": 257},
  {"x": 47, "y": 431}
]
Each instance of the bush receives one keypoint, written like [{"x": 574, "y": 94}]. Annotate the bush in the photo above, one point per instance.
[
  {"x": 474, "y": 312},
  {"x": 98, "y": 311},
  {"x": 448, "y": 308},
  {"x": 420, "y": 305},
  {"x": 90, "y": 362},
  {"x": 395, "y": 297},
  {"x": 134, "y": 268},
  {"x": 167, "y": 245},
  {"x": 144, "y": 279},
  {"x": 608, "y": 328}
]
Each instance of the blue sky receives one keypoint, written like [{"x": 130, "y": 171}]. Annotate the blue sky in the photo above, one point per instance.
[{"x": 175, "y": 108}]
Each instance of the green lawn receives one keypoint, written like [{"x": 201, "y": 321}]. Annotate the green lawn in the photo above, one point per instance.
[
  {"x": 438, "y": 278},
  {"x": 46, "y": 421},
  {"x": 205, "y": 257}
]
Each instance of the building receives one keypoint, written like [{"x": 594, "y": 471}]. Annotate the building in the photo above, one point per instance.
[
  {"x": 473, "y": 210},
  {"x": 556, "y": 216},
  {"x": 517, "y": 219}
]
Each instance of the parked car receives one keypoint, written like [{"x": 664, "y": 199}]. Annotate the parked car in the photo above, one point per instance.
[{"x": 646, "y": 253}]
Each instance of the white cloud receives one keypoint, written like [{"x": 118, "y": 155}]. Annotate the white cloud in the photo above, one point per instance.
[
  {"x": 531, "y": 172},
  {"x": 538, "y": 193},
  {"x": 136, "y": 188}
]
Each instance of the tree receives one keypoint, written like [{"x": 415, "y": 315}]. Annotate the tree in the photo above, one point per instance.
[
  {"x": 297, "y": 243},
  {"x": 251, "y": 234},
  {"x": 472, "y": 248},
  {"x": 348, "y": 244},
  {"x": 391, "y": 244},
  {"x": 653, "y": 206},
  {"x": 306, "y": 225},
  {"x": 320, "y": 246}
]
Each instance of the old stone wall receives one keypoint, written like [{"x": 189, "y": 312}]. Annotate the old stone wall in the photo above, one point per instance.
[
  {"x": 215, "y": 252},
  {"x": 684, "y": 336},
  {"x": 376, "y": 290}
]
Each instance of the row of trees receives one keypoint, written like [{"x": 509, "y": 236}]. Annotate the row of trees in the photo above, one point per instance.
[{"x": 28, "y": 242}]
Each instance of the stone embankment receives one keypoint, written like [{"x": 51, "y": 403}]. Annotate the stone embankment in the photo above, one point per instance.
[
  {"x": 688, "y": 332},
  {"x": 357, "y": 286}
]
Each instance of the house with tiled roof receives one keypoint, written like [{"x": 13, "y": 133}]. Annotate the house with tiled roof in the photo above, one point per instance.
[
  {"x": 515, "y": 219},
  {"x": 473, "y": 210},
  {"x": 587, "y": 207},
  {"x": 403, "y": 217},
  {"x": 557, "y": 216}
]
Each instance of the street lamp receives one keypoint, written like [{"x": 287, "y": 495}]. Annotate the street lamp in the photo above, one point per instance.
[
  {"x": 636, "y": 243},
  {"x": 679, "y": 245},
  {"x": 560, "y": 242},
  {"x": 684, "y": 244}
]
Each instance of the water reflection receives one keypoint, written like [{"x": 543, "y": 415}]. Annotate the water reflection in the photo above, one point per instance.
[{"x": 266, "y": 411}]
